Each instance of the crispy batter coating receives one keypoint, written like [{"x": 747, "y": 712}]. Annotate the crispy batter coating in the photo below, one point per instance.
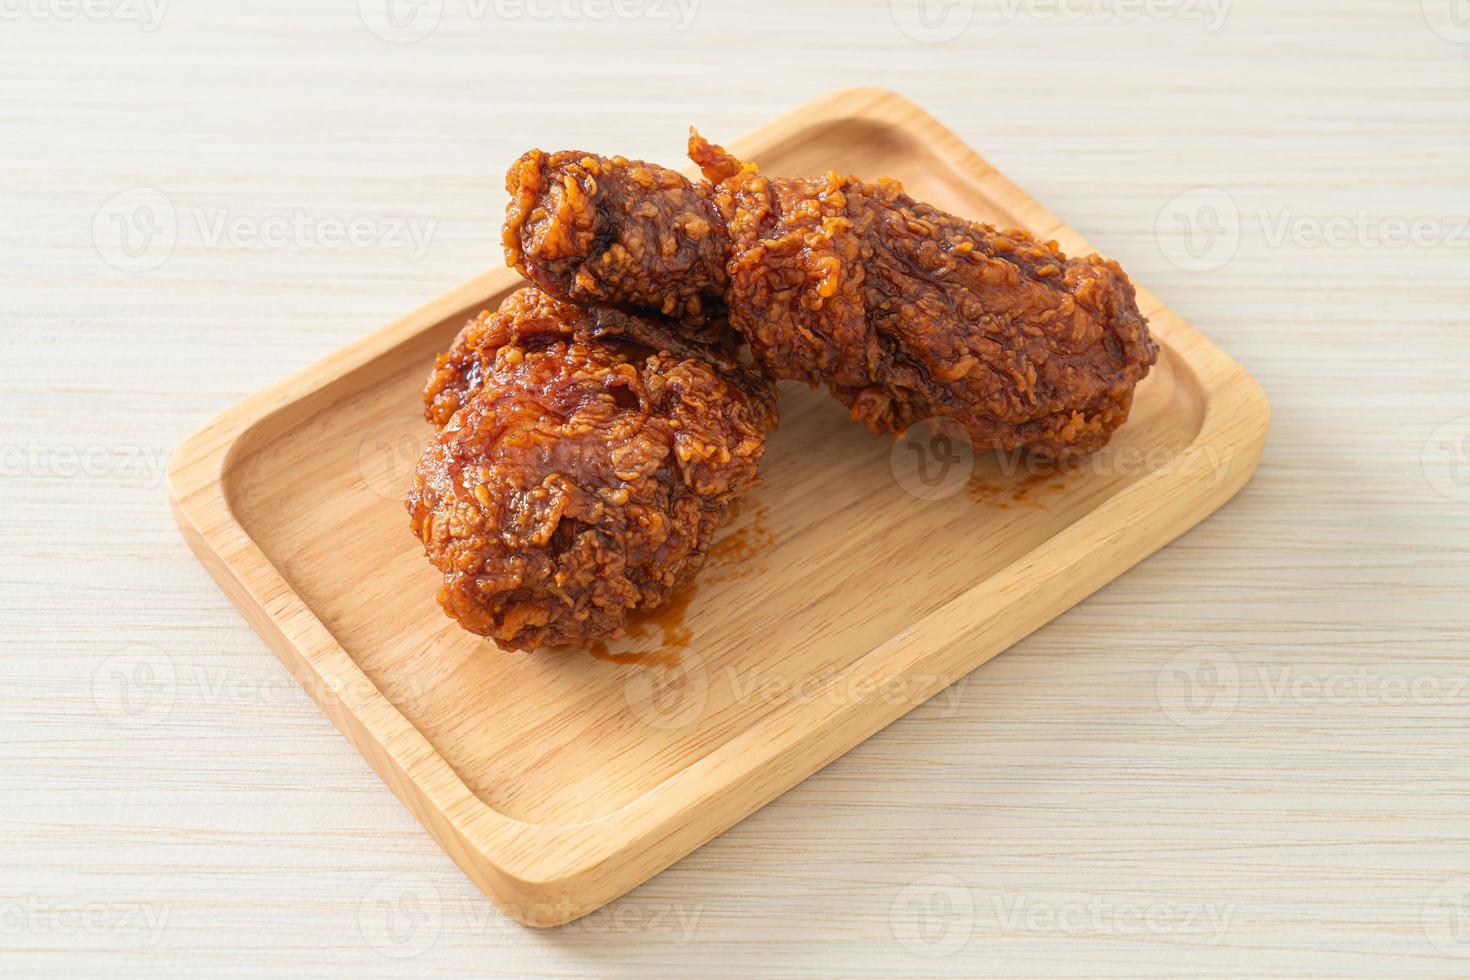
[
  {"x": 594, "y": 230},
  {"x": 581, "y": 468},
  {"x": 903, "y": 310},
  {"x": 530, "y": 317}
]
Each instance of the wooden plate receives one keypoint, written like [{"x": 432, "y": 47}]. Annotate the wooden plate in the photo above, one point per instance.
[{"x": 861, "y": 579}]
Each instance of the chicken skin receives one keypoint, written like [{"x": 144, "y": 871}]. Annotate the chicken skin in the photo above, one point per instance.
[
  {"x": 902, "y": 310},
  {"x": 584, "y": 459}
]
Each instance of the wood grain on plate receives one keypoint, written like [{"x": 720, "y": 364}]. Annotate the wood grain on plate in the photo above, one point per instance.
[{"x": 838, "y": 599}]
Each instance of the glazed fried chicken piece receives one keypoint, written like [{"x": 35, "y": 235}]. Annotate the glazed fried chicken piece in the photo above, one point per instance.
[
  {"x": 598, "y": 230},
  {"x": 584, "y": 460},
  {"x": 902, "y": 310}
]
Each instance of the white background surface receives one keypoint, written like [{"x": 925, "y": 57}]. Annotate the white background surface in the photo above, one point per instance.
[{"x": 171, "y": 803}]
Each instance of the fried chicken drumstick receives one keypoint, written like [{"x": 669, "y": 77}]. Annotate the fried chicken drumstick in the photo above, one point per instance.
[
  {"x": 902, "y": 310},
  {"x": 584, "y": 459}
]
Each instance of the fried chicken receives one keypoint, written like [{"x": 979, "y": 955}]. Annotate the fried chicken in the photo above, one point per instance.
[
  {"x": 584, "y": 460},
  {"x": 902, "y": 310},
  {"x": 593, "y": 230}
]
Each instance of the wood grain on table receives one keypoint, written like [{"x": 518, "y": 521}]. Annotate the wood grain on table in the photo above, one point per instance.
[{"x": 1250, "y": 755}]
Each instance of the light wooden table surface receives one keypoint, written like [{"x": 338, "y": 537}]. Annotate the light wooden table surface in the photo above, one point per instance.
[{"x": 1250, "y": 755}]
